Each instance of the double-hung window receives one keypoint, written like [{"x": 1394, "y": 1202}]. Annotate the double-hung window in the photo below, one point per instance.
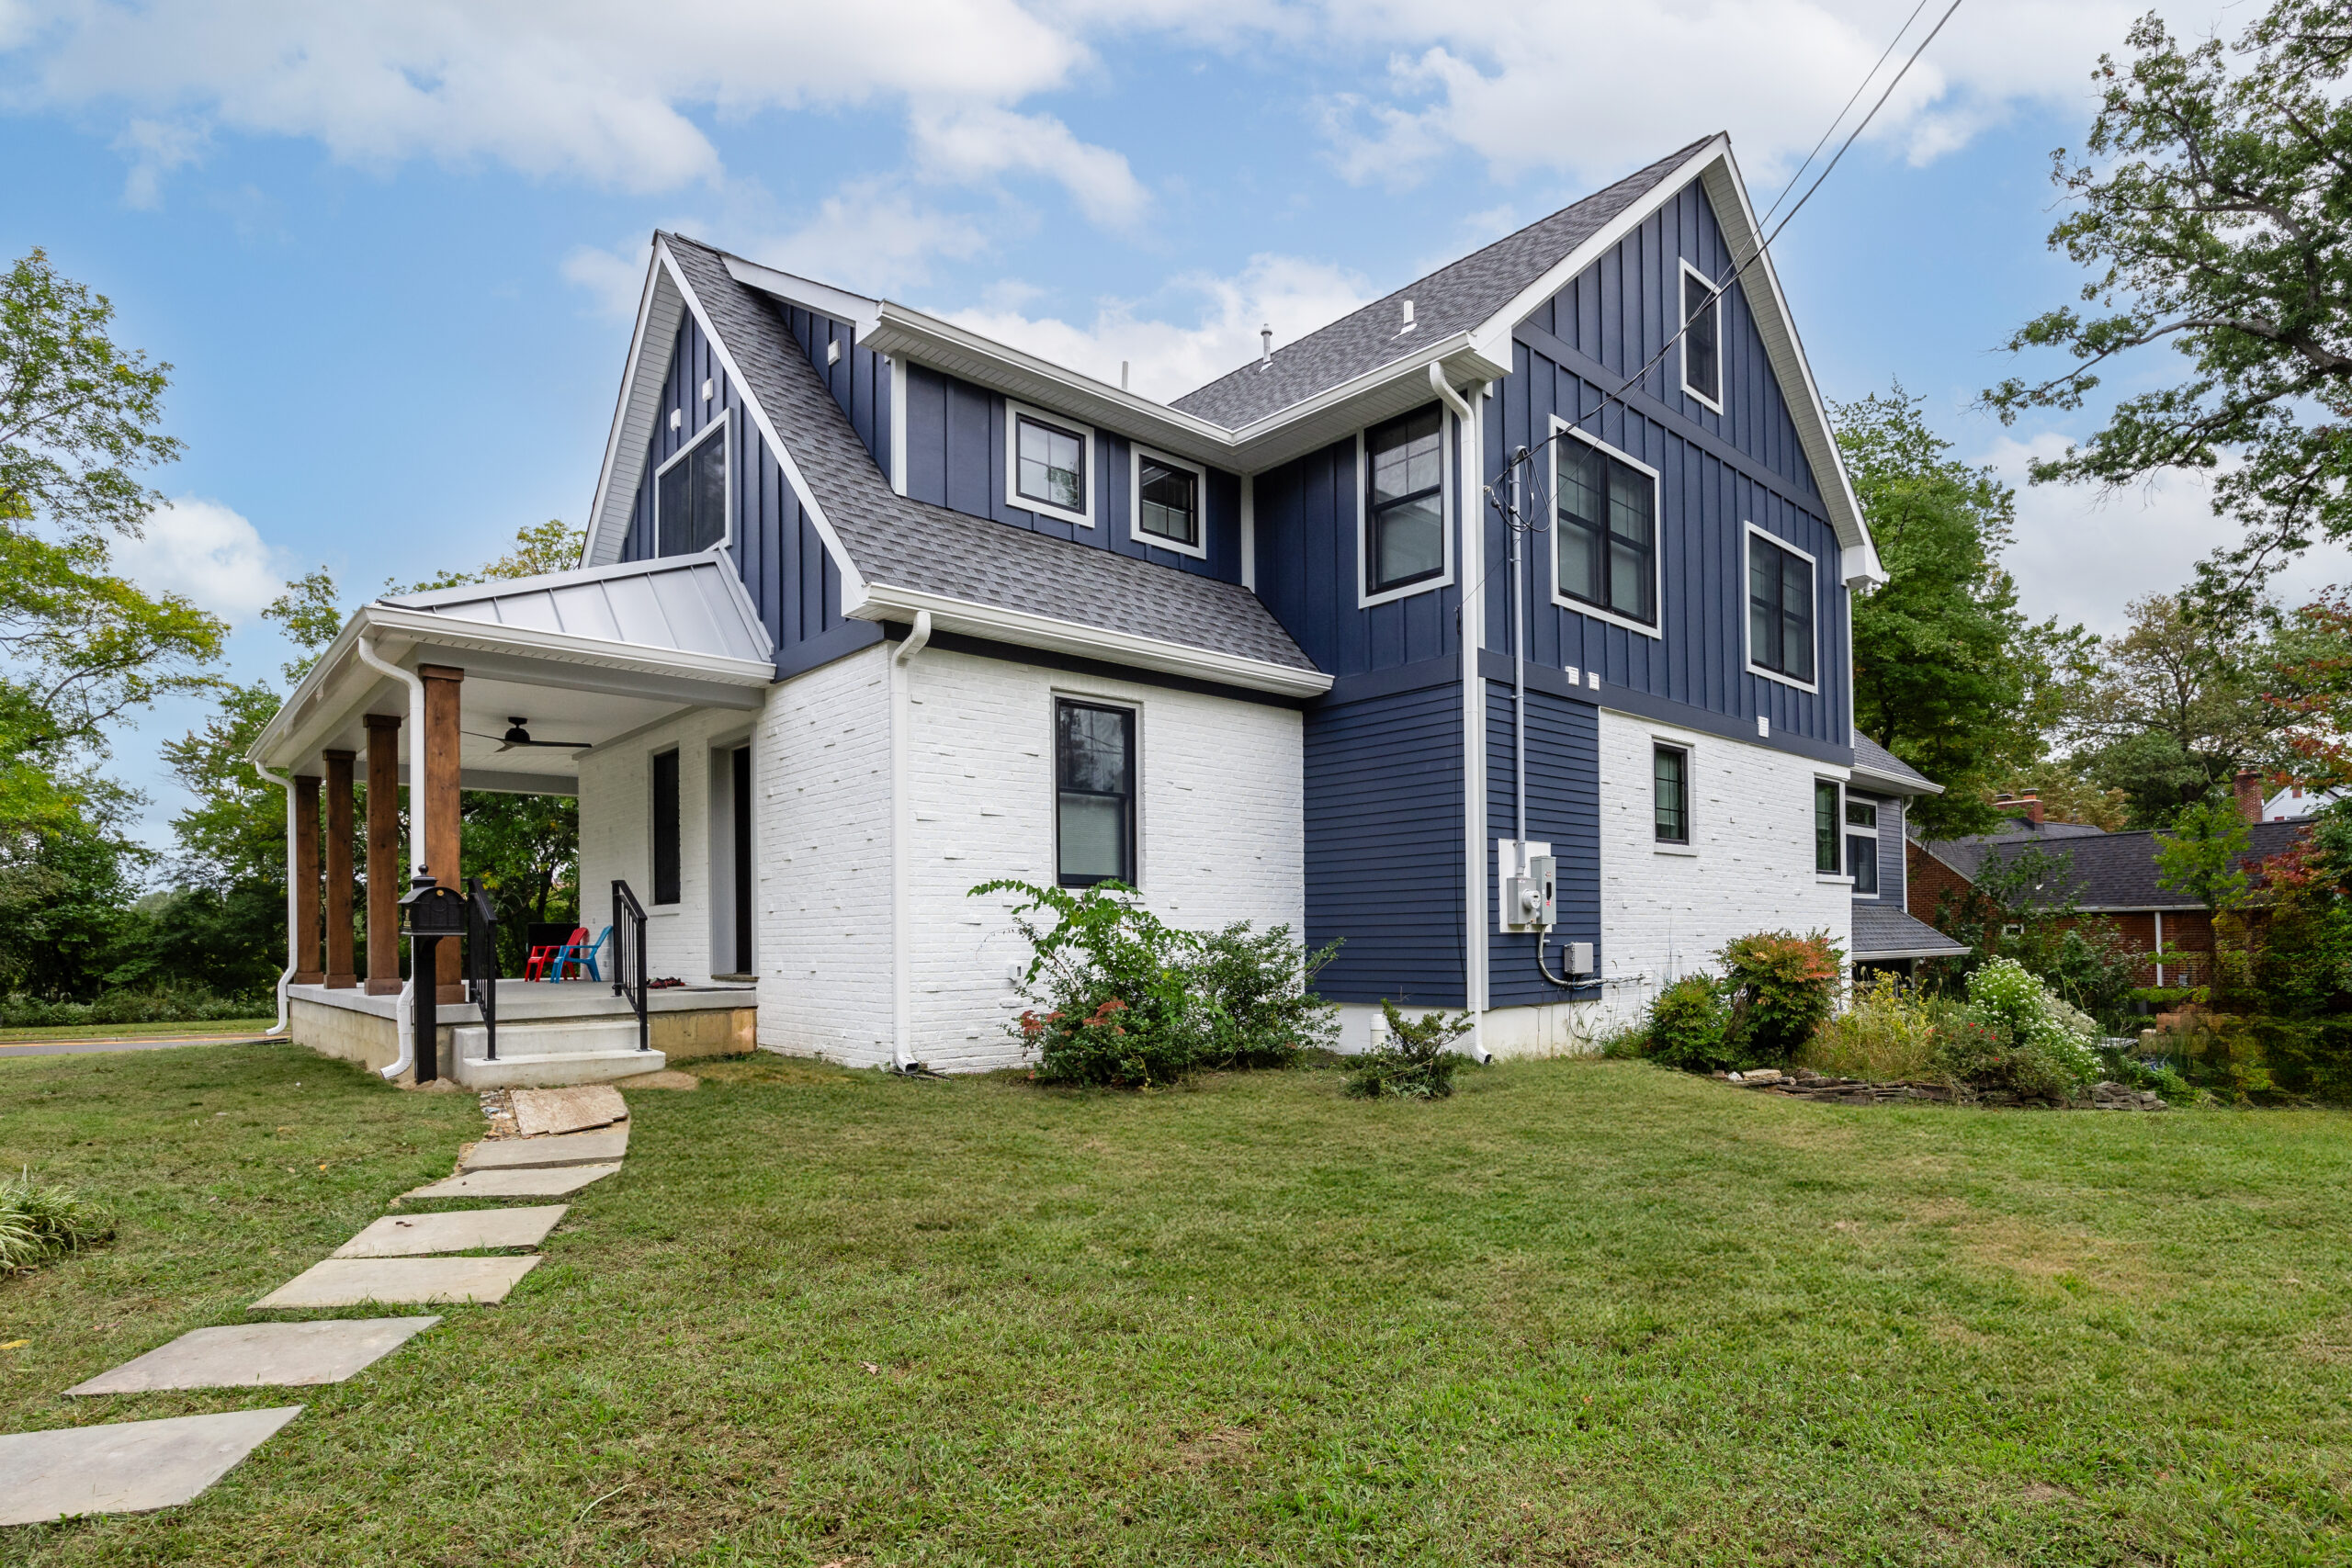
[
  {"x": 1670, "y": 791},
  {"x": 1780, "y": 609},
  {"x": 1861, "y": 845},
  {"x": 1826, "y": 827},
  {"x": 1606, "y": 547},
  {"x": 1702, "y": 359},
  {"x": 1405, "y": 509},
  {"x": 1094, "y": 781},
  {"x": 690, "y": 495},
  {"x": 1049, "y": 467}
]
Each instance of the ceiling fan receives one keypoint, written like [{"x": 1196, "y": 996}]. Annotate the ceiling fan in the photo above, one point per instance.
[{"x": 518, "y": 735}]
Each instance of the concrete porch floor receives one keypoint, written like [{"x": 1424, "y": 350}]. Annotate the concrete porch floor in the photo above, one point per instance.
[{"x": 548, "y": 1033}]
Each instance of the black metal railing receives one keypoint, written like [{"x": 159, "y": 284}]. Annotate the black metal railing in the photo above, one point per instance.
[
  {"x": 630, "y": 977},
  {"x": 482, "y": 960}
]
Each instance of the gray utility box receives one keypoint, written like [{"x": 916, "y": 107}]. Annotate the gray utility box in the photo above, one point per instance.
[{"x": 1534, "y": 899}]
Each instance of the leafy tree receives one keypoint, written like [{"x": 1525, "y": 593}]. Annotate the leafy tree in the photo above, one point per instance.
[
  {"x": 549, "y": 547},
  {"x": 2311, "y": 692},
  {"x": 1949, "y": 674},
  {"x": 2068, "y": 795},
  {"x": 65, "y": 886},
  {"x": 2022, "y": 906},
  {"x": 2212, "y": 204},
  {"x": 2199, "y": 856}
]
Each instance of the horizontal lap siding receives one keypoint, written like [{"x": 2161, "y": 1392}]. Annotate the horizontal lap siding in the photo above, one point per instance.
[
  {"x": 1384, "y": 847},
  {"x": 792, "y": 580},
  {"x": 1610, "y": 321},
  {"x": 1307, "y": 516},
  {"x": 1563, "y": 794},
  {"x": 956, "y": 450}
]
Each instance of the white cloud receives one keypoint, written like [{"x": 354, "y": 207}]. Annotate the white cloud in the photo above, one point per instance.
[
  {"x": 207, "y": 553},
  {"x": 615, "y": 279},
  {"x": 1172, "y": 358},
  {"x": 2082, "y": 555},
  {"x": 979, "y": 141},
  {"x": 871, "y": 238}
]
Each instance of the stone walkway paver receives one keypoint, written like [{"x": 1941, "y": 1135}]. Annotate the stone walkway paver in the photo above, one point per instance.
[
  {"x": 128, "y": 1467},
  {"x": 261, "y": 1355},
  {"x": 467, "y": 1229},
  {"x": 552, "y": 1181},
  {"x": 600, "y": 1147},
  {"x": 357, "y": 1281},
  {"x": 540, "y": 1112}
]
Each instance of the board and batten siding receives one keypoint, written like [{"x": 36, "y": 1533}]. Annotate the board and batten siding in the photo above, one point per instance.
[
  {"x": 859, "y": 381},
  {"x": 1563, "y": 809},
  {"x": 1382, "y": 820},
  {"x": 956, "y": 459},
  {"x": 1307, "y": 516},
  {"x": 792, "y": 580},
  {"x": 1717, "y": 474}
]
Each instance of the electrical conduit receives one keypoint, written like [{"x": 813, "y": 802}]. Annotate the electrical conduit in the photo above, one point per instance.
[{"x": 406, "y": 1013}]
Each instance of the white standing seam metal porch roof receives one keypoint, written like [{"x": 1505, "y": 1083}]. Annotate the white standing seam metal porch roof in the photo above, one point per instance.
[{"x": 584, "y": 657}]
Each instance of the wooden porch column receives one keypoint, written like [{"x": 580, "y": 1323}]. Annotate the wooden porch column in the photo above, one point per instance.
[
  {"x": 341, "y": 884},
  {"x": 383, "y": 854},
  {"x": 308, "y": 970},
  {"x": 441, "y": 739}
]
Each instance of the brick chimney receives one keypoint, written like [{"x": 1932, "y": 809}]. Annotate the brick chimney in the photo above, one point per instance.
[
  {"x": 2249, "y": 792},
  {"x": 2031, "y": 801},
  {"x": 2028, "y": 805}
]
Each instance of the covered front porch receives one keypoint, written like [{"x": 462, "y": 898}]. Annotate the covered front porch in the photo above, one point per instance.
[{"x": 508, "y": 688}]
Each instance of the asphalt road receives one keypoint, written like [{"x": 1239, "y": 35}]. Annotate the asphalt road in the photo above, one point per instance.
[{"x": 120, "y": 1043}]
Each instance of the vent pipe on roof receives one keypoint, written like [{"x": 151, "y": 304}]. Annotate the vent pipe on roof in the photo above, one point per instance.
[
  {"x": 1409, "y": 319},
  {"x": 1123, "y": 374},
  {"x": 1265, "y": 347}
]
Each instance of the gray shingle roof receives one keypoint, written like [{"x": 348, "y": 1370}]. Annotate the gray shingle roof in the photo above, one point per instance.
[
  {"x": 902, "y": 543},
  {"x": 1884, "y": 930},
  {"x": 2105, "y": 871},
  {"x": 1451, "y": 300},
  {"x": 1869, "y": 753}
]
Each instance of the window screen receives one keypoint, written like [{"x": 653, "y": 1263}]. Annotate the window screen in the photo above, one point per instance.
[
  {"x": 1404, "y": 541},
  {"x": 1051, "y": 463},
  {"x": 1826, "y": 828},
  {"x": 1607, "y": 537},
  {"x": 1095, "y": 778},
  {"x": 690, "y": 499},
  {"x": 1672, "y": 787},
  {"x": 1779, "y": 610},
  {"x": 1168, "y": 503},
  {"x": 666, "y": 828},
  {"x": 1702, "y": 369}
]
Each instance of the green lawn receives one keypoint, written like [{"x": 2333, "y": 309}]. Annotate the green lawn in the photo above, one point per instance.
[{"x": 1583, "y": 1312}]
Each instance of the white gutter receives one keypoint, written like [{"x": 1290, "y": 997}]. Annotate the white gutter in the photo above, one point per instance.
[
  {"x": 902, "y": 1019},
  {"x": 404, "y": 1015},
  {"x": 293, "y": 952},
  {"x": 1468, "y": 489}
]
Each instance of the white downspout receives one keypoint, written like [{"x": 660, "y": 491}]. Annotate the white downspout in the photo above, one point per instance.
[
  {"x": 1468, "y": 492},
  {"x": 902, "y": 1024},
  {"x": 293, "y": 952},
  {"x": 406, "y": 1012}
]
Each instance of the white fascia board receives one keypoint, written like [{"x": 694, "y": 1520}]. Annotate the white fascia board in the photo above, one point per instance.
[
  {"x": 905, "y": 333},
  {"x": 809, "y": 295},
  {"x": 1311, "y": 422},
  {"x": 851, "y": 583},
  {"x": 641, "y": 378},
  {"x": 1894, "y": 784},
  {"x": 883, "y": 603}
]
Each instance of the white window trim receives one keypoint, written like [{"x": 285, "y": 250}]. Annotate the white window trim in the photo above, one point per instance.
[
  {"x": 1012, "y": 496},
  {"x": 1852, "y": 832},
  {"x": 1683, "y": 357},
  {"x": 1747, "y": 617},
  {"x": 1054, "y": 698},
  {"x": 1688, "y": 843},
  {"x": 1657, "y": 539},
  {"x": 1839, "y": 785},
  {"x": 1136, "y": 456},
  {"x": 725, "y": 425},
  {"x": 1365, "y": 600}
]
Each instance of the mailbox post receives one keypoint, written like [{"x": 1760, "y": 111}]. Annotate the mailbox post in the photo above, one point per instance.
[{"x": 429, "y": 913}]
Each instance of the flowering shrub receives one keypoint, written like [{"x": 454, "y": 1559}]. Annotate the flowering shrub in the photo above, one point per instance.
[{"x": 2015, "y": 1035}]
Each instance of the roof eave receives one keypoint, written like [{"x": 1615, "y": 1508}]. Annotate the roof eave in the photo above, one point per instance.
[
  {"x": 1894, "y": 784},
  {"x": 882, "y": 602}
]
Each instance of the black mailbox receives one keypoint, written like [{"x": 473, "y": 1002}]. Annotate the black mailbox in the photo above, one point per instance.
[{"x": 432, "y": 910}]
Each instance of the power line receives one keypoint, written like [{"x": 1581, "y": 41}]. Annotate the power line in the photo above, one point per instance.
[{"x": 1839, "y": 118}]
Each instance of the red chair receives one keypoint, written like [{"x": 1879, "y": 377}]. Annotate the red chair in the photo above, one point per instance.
[{"x": 536, "y": 966}]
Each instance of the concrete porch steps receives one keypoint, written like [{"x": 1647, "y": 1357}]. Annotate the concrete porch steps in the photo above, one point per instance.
[{"x": 571, "y": 1051}]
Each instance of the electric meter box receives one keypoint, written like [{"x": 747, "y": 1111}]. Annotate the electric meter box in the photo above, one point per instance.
[{"x": 1529, "y": 902}]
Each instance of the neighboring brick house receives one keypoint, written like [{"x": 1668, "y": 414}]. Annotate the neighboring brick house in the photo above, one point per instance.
[{"x": 2112, "y": 877}]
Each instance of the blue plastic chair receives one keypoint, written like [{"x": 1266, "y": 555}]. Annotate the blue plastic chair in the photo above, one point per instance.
[{"x": 583, "y": 954}]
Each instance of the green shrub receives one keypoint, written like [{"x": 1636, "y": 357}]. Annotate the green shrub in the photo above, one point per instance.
[
  {"x": 1782, "y": 987},
  {"x": 1887, "y": 1034},
  {"x": 2015, "y": 1035},
  {"x": 1686, "y": 1026},
  {"x": 1414, "y": 1062},
  {"x": 2164, "y": 999},
  {"x": 1121, "y": 998},
  {"x": 40, "y": 1223},
  {"x": 158, "y": 1004}
]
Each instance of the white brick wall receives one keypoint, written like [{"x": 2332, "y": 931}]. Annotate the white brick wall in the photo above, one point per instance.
[
  {"x": 617, "y": 837},
  {"x": 1664, "y": 915},
  {"x": 1218, "y": 826}
]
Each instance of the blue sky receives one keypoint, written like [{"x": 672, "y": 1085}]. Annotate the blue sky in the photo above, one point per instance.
[{"x": 391, "y": 247}]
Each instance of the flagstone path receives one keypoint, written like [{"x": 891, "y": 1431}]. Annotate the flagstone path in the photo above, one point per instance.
[{"x": 133, "y": 1466}]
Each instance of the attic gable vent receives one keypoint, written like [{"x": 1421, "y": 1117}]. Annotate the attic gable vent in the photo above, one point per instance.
[
  {"x": 677, "y": 418},
  {"x": 707, "y": 390}
]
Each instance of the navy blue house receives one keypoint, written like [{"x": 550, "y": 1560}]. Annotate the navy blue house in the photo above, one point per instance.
[{"x": 1498, "y": 631}]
